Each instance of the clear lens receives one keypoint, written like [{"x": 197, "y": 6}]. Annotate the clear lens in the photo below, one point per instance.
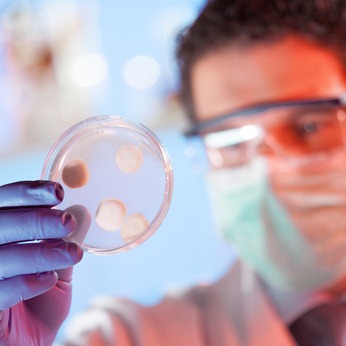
[
  {"x": 232, "y": 147},
  {"x": 293, "y": 134},
  {"x": 307, "y": 132}
]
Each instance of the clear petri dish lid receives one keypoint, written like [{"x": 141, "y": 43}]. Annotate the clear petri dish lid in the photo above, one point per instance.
[{"x": 118, "y": 182}]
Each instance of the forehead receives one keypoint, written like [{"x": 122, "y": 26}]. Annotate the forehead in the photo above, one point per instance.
[{"x": 238, "y": 76}]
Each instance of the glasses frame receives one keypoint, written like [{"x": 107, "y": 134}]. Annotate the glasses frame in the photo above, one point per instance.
[{"x": 198, "y": 129}]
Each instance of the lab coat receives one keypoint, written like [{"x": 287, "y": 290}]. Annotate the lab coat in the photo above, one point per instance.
[{"x": 234, "y": 311}]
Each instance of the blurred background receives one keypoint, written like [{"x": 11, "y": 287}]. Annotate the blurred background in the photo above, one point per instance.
[{"x": 63, "y": 61}]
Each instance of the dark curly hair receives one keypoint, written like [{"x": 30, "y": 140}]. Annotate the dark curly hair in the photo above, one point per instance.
[{"x": 222, "y": 22}]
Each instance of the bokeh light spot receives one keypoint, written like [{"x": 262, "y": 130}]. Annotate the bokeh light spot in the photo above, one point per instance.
[
  {"x": 141, "y": 72},
  {"x": 89, "y": 70}
]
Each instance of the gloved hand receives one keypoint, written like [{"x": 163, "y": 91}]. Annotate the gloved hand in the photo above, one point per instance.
[{"x": 35, "y": 277}]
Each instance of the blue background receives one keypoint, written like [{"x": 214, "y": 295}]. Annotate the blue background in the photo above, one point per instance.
[{"x": 186, "y": 248}]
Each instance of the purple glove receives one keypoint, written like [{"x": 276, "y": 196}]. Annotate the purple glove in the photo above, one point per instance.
[{"x": 35, "y": 277}]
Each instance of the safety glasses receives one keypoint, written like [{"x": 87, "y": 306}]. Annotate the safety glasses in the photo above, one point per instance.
[{"x": 297, "y": 132}]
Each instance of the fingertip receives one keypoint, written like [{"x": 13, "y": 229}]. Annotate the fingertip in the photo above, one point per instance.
[
  {"x": 51, "y": 192},
  {"x": 50, "y": 277},
  {"x": 83, "y": 219},
  {"x": 75, "y": 251},
  {"x": 69, "y": 222},
  {"x": 80, "y": 253},
  {"x": 59, "y": 191},
  {"x": 36, "y": 284},
  {"x": 68, "y": 252}
]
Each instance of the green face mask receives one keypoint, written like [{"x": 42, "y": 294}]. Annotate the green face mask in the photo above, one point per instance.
[{"x": 250, "y": 215}]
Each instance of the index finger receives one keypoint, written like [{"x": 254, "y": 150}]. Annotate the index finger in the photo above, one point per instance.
[
  {"x": 18, "y": 225},
  {"x": 31, "y": 193}
]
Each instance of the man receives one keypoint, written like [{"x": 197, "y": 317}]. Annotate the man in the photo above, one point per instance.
[{"x": 263, "y": 82}]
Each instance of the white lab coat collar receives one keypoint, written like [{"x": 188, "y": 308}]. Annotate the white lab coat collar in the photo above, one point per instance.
[{"x": 254, "y": 318}]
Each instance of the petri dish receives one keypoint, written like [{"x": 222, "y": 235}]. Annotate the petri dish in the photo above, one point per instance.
[{"x": 118, "y": 182}]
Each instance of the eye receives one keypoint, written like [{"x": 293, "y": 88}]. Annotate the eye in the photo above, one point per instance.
[
  {"x": 308, "y": 128},
  {"x": 315, "y": 125},
  {"x": 316, "y": 134}
]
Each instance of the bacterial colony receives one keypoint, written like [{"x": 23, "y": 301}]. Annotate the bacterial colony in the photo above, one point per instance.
[{"x": 111, "y": 214}]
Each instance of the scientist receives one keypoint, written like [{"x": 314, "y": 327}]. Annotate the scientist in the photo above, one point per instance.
[{"x": 263, "y": 82}]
